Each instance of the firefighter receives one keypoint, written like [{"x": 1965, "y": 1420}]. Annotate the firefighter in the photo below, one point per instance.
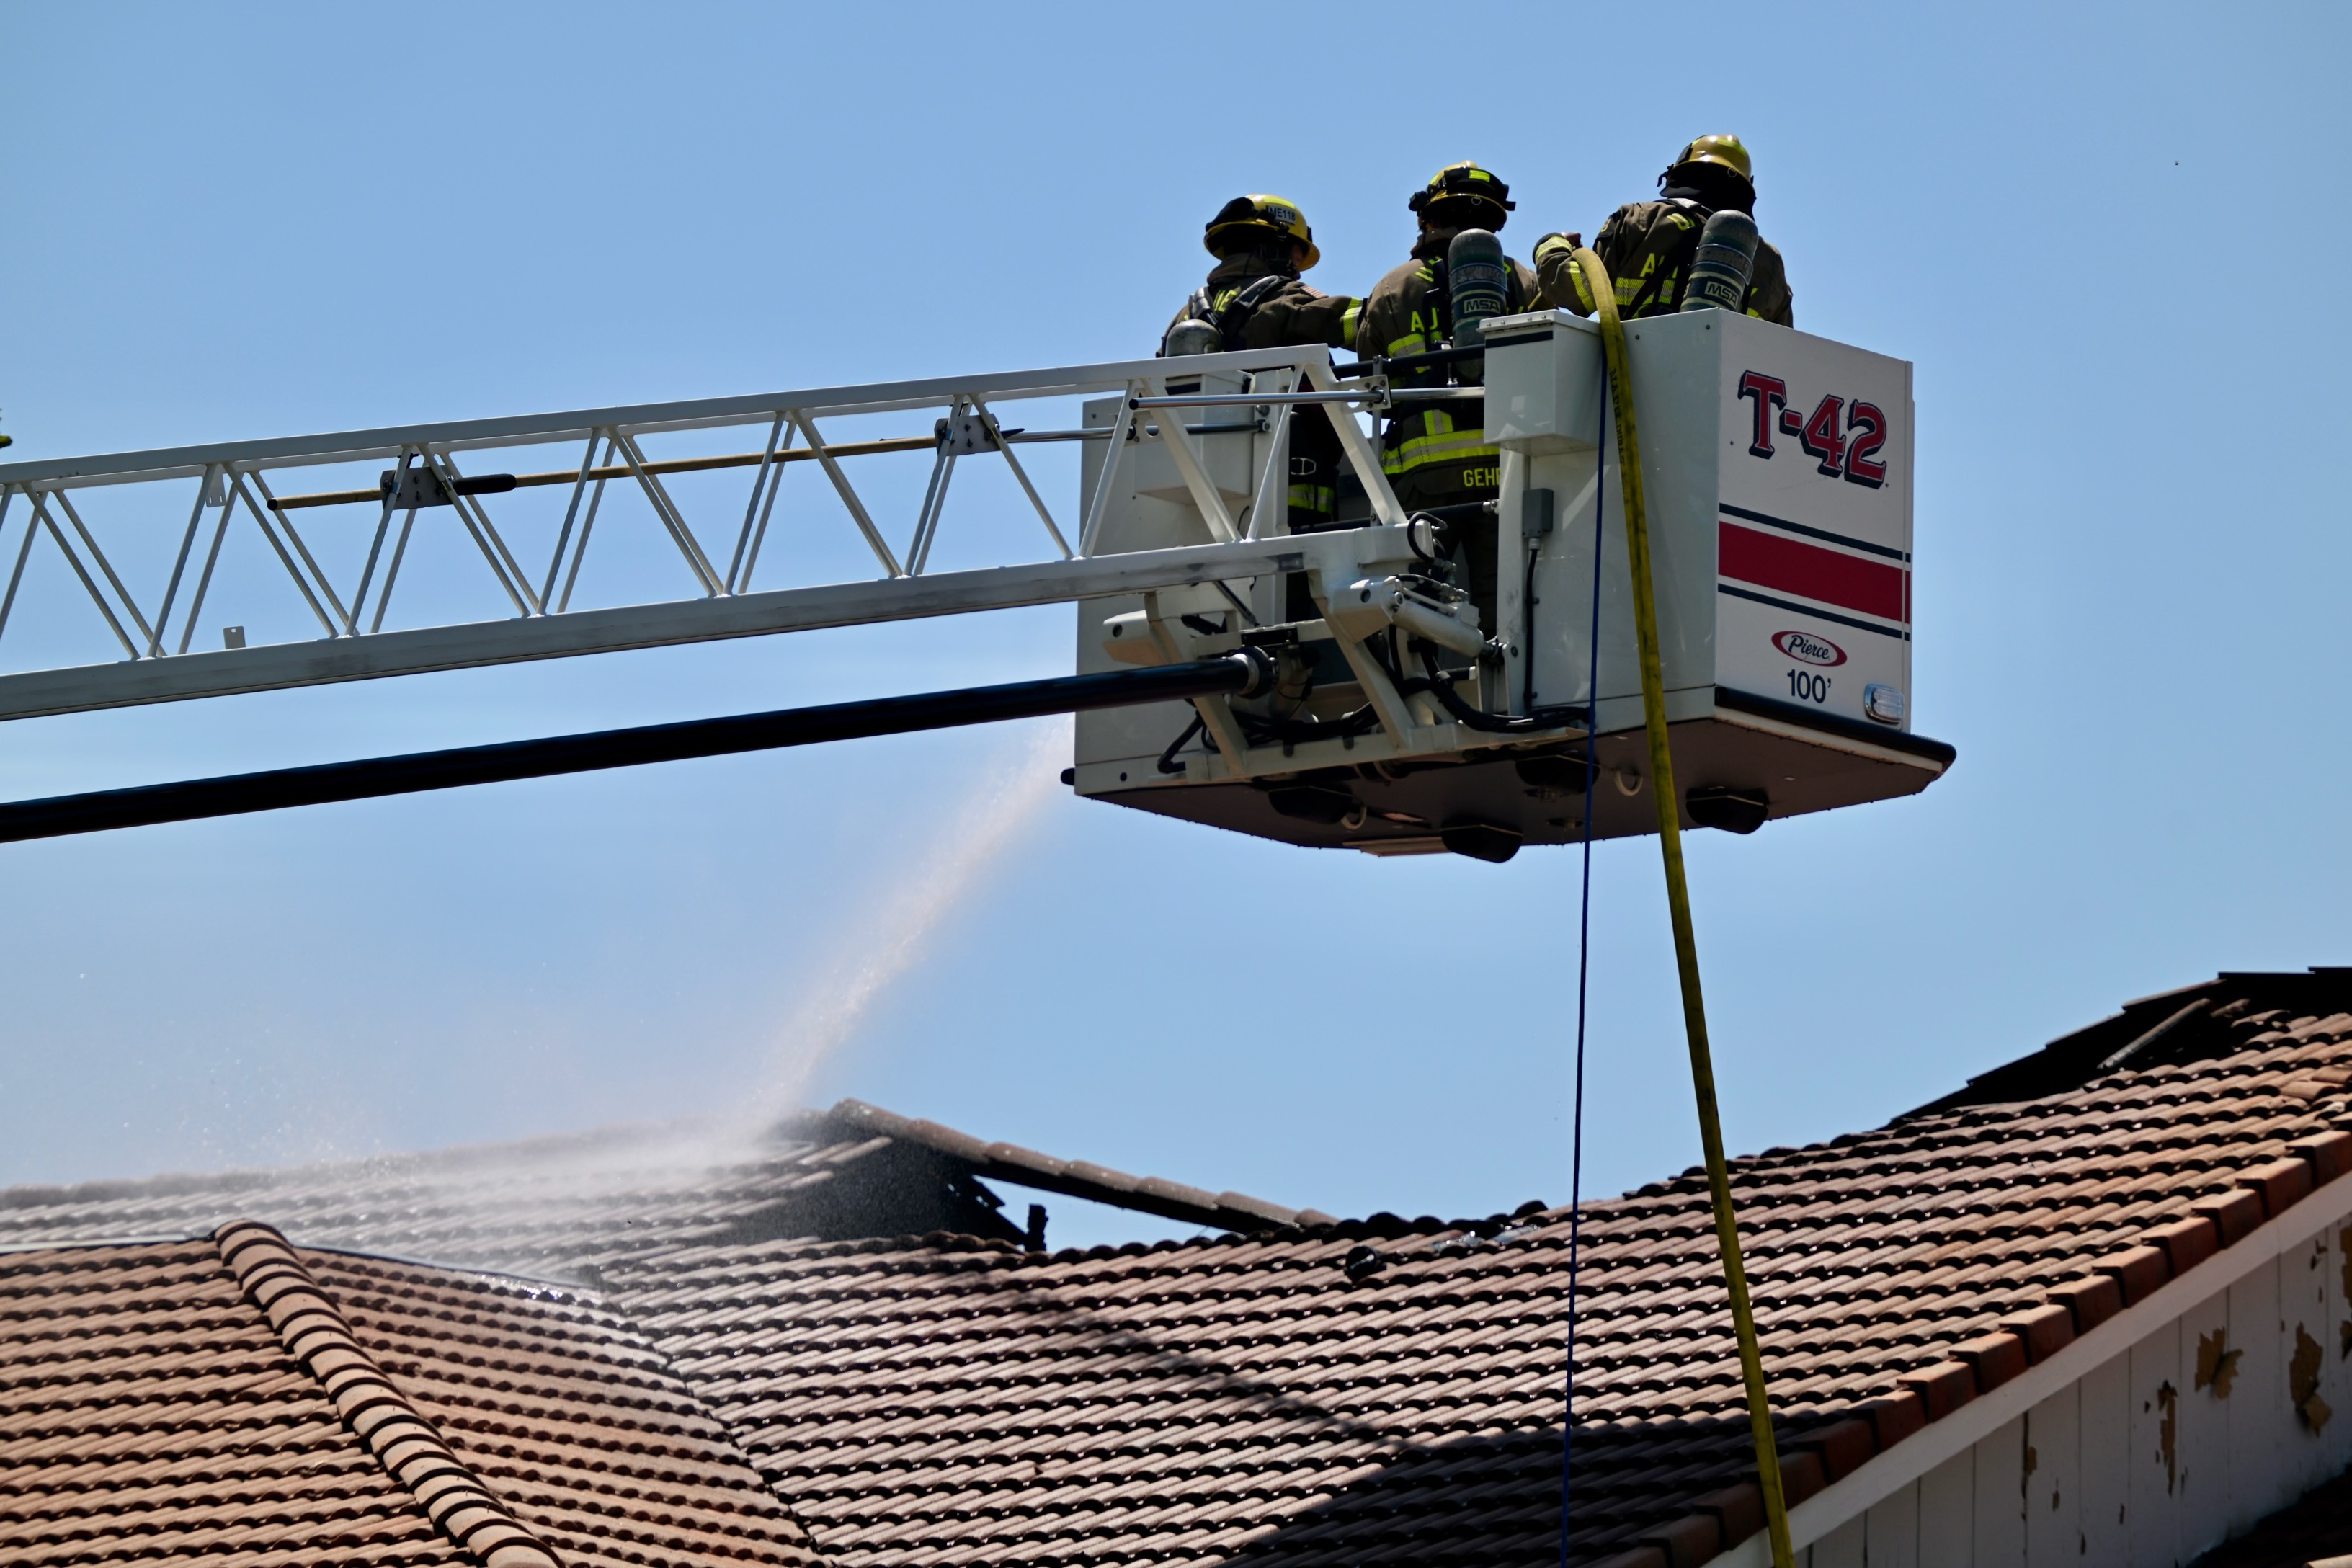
[
  {"x": 1437, "y": 455},
  {"x": 1648, "y": 245},
  {"x": 1254, "y": 299}
]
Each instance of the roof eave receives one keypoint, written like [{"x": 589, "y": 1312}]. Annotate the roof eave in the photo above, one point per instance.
[{"x": 1876, "y": 1478}]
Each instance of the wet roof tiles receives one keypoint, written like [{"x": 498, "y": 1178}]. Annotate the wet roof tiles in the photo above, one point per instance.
[
  {"x": 568, "y": 1414},
  {"x": 145, "y": 1403}
]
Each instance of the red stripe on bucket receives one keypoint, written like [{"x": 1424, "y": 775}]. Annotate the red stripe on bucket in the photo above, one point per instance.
[{"x": 1770, "y": 561}]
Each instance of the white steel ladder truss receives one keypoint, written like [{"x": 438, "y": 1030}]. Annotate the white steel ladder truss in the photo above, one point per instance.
[{"x": 262, "y": 483}]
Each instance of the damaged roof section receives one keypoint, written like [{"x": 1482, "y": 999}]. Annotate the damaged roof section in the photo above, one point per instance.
[
  {"x": 564, "y": 1207},
  {"x": 1235, "y": 1212},
  {"x": 2194, "y": 1024},
  {"x": 550, "y": 1207}
]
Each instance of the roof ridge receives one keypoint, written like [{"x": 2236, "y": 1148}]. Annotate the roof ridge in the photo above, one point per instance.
[
  {"x": 404, "y": 1440},
  {"x": 1814, "y": 1456},
  {"x": 1236, "y": 1212}
]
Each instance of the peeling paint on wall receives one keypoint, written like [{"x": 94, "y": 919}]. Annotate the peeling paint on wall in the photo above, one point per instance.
[
  {"x": 2217, "y": 1365},
  {"x": 2344, "y": 1256},
  {"x": 2168, "y": 1435},
  {"x": 2302, "y": 1380}
]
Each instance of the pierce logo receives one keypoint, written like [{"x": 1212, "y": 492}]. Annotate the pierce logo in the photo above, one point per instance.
[{"x": 1808, "y": 649}]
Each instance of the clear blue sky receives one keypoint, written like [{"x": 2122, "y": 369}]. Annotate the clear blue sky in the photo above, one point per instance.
[{"x": 2109, "y": 239}]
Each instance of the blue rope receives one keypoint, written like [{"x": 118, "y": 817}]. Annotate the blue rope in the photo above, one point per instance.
[{"x": 1583, "y": 968}]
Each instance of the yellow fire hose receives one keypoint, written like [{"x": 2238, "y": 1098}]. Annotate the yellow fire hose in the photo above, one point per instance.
[{"x": 1670, "y": 845}]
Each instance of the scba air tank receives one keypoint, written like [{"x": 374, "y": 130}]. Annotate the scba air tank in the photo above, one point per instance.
[
  {"x": 1725, "y": 262},
  {"x": 1192, "y": 336},
  {"x": 1477, "y": 285}
]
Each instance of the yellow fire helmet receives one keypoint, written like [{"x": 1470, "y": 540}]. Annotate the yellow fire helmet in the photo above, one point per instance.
[
  {"x": 1250, "y": 218},
  {"x": 1724, "y": 152},
  {"x": 1465, "y": 181}
]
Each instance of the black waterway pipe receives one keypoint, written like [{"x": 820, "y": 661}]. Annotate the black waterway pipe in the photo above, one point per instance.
[{"x": 1235, "y": 674}]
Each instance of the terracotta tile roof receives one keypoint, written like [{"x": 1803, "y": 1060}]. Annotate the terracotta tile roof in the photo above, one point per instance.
[
  {"x": 1390, "y": 1389},
  {"x": 1377, "y": 1391},
  {"x": 404, "y": 1439},
  {"x": 560, "y": 1207},
  {"x": 572, "y": 1415},
  {"x": 240, "y": 1399},
  {"x": 147, "y": 1408}
]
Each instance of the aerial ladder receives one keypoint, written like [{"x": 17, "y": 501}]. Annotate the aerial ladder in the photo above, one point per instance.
[
  {"x": 1398, "y": 715},
  {"x": 1704, "y": 625}
]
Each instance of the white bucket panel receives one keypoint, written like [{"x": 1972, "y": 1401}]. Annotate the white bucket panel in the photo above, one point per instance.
[
  {"x": 1777, "y": 473},
  {"x": 1814, "y": 534}
]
